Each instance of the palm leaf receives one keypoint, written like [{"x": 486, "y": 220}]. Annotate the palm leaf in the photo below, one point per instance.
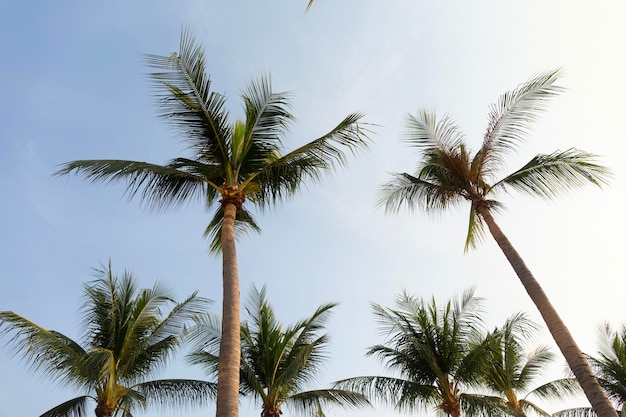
[
  {"x": 187, "y": 102},
  {"x": 511, "y": 117},
  {"x": 76, "y": 407},
  {"x": 178, "y": 393},
  {"x": 550, "y": 175},
  {"x": 244, "y": 223},
  {"x": 283, "y": 176},
  {"x": 46, "y": 353}
]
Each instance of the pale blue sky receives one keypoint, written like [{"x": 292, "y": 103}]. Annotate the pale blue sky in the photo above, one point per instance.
[{"x": 74, "y": 87}]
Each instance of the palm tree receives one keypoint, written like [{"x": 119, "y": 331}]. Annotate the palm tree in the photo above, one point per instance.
[
  {"x": 510, "y": 372},
  {"x": 127, "y": 337},
  {"x": 449, "y": 174},
  {"x": 277, "y": 362},
  {"x": 436, "y": 352},
  {"x": 230, "y": 163}
]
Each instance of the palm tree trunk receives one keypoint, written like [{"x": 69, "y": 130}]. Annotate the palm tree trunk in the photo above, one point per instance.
[
  {"x": 230, "y": 344},
  {"x": 563, "y": 338}
]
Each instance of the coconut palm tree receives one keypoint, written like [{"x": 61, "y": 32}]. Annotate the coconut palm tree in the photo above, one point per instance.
[
  {"x": 230, "y": 163},
  {"x": 450, "y": 174},
  {"x": 127, "y": 337},
  {"x": 277, "y": 362},
  {"x": 510, "y": 372},
  {"x": 436, "y": 352}
]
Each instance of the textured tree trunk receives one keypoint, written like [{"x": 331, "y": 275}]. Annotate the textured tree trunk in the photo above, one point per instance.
[
  {"x": 230, "y": 344},
  {"x": 563, "y": 338}
]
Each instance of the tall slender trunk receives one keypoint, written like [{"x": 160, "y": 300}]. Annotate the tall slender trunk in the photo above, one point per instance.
[
  {"x": 230, "y": 344},
  {"x": 563, "y": 338}
]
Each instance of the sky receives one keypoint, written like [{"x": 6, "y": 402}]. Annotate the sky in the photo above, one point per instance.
[{"x": 74, "y": 86}]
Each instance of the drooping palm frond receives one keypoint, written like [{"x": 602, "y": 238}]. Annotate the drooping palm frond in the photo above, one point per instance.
[
  {"x": 511, "y": 117},
  {"x": 244, "y": 224},
  {"x": 548, "y": 176},
  {"x": 610, "y": 363},
  {"x": 44, "y": 351},
  {"x": 76, "y": 407},
  {"x": 161, "y": 187},
  {"x": 401, "y": 393},
  {"x": 177, "y": 393},
  {"x": 312, "y": 403}
]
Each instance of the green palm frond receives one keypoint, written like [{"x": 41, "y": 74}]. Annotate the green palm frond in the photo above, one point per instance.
[
  {"x": 283, "y": 175},
  {"x": 511, "y": 117},
  {"x": 413, "y": 192},
  {"x": 475, "y": 231},
  {"x": 183, "y": 92},
  {"x": 177, "y": 393},
  {"x": 403, "y": 394},
  {"x": 76, "y": 407},
  {"x": 424, "y": 132},
  {"x": 44, "y": 351},
  {"x": 160, "y": 187},
  {"x": 610, "y": 363},
  {"x": 482, "y": 405},
  {"x": 576, "y": 412},
  {"x": 244, "y": 223},
  {"x": 548, "y": 176},
  {"x": 267, "y": 119},
  {"x": 560, "y": 388},
  {"x": 310, "y": 403}
]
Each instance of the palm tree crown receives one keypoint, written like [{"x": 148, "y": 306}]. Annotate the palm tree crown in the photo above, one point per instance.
[
  {"x": 510, "y": 371},
  {"x": 277, "y": 362},
  {"x": 436, "y": 352},
  {"x": 127, "y": 338},
  {"x": 449, "y": 174},
  {"x": 231, "y": 162}
]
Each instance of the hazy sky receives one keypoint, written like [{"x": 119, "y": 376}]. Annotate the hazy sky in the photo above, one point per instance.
[{"x": 74, "y": 86}]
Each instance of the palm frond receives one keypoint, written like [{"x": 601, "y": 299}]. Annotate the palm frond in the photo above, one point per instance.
[
  {"x": 244, "y": 223},
  {"x": 548, "y": 176},
  {"x": 511, "y": 117},
  {"x": 178, "y": 393},
  {"x": 46, "y": 352},
  {"x": 76, "y": 407},
  {"x": 309, "y": 403},
  {"x": 424, "y": 132},
  {"x": 560, "y": 388},
  {"x": 576, "y": 412},
  {"x": 475, "y": 231},
  {"x": 413, "y": 192},
  {"x": 183, "y": 92},
  {"x": 160, "y": 187},
  {"x": 284, "y": 175}
]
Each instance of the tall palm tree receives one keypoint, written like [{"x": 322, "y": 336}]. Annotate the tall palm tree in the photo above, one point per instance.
[
  {"x": 510, "y": 372},
  {"x": 230, "y": 163},
  {"x": 449, "y": 174},
  {"x": 127, "y": 337},
  {"x": 277, "y": 361},
  {"x": 436, "y": 353}
]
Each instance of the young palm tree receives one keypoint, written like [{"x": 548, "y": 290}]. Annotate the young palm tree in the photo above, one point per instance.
[
  {"x": 449, "y": 174},
  {"x": 510, "y": 372},
  {"x": 230, "y": 163},
  {"x": 277, "y": 362},
  {"x": 126, "y": 339},
  {"x": 436, "y": 353}
]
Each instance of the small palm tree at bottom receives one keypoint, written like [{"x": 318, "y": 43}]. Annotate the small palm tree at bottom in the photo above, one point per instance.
[
  {"x": 509, "y": 371},
  {"x": 435, "y": 352},
  {"x": 126, "y": 338},
  {"x": 277, "y": 362}
]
